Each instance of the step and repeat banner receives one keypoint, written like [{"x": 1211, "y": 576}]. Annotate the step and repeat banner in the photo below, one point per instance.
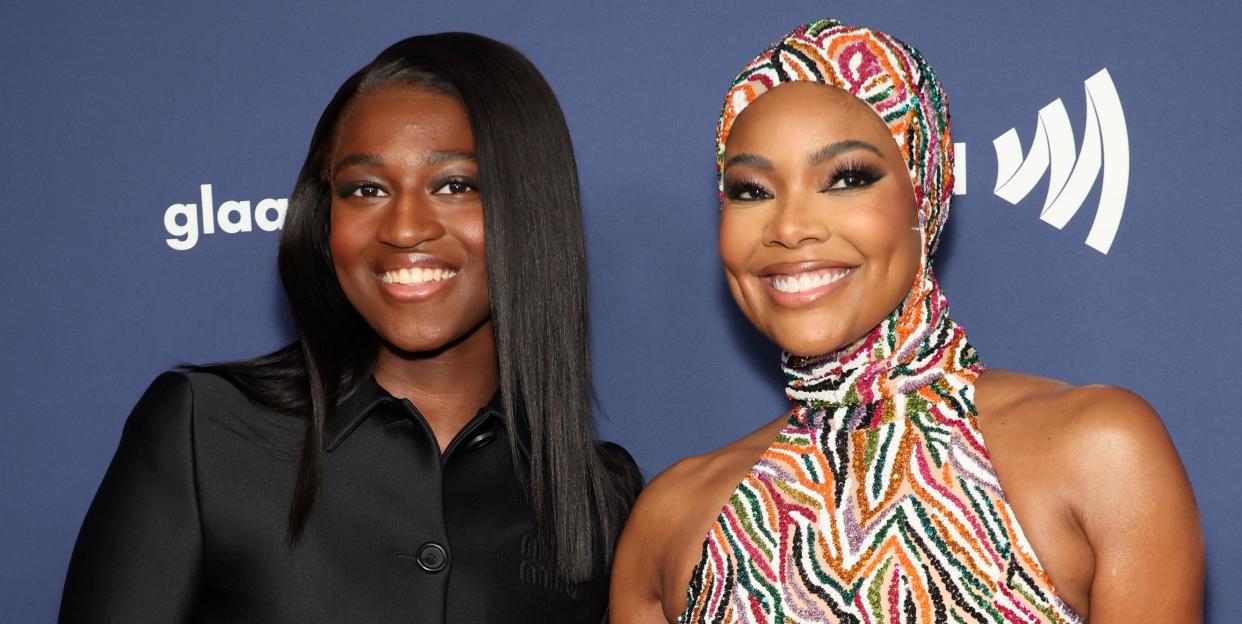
[{"x": 149, "y": 150}]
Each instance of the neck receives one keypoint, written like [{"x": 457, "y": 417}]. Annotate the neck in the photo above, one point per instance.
[
  {"x": 448, "y": 385},
  {"x": 914, "y": 346}
]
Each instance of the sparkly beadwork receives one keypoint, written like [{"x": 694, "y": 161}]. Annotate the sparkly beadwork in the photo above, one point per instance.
[{"x": 877, "y": 502}]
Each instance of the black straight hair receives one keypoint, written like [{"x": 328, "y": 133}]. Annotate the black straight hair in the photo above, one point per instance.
[{"x": 536, "y": 271}]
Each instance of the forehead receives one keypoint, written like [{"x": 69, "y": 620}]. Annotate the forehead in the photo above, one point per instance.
[
  {"x": 806, "y": 112},
  {"x": 403, "y": 116}
]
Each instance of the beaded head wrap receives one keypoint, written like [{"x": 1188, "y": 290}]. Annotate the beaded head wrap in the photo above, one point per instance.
[
  {"x": 877, "y": 501},
  {"x": 894, "y": 81}
]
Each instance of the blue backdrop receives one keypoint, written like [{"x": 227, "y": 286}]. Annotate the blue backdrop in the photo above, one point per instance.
[{"x": 114, "y": 112}]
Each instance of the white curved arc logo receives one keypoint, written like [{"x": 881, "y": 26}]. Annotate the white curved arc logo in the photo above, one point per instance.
[{"x": 1105, "y": 141}]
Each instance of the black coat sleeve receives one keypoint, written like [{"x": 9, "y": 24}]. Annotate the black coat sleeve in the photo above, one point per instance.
[{"x": 139, "y": 554}]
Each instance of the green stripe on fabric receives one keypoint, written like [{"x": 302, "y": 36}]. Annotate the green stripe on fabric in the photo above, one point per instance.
[
  {"x": 879, "y": 465},
  {"x": 929, "y": 531},
  {"x": 820, "y": 575},
  {"x": 751, "y": 527},
  {"x": 873, "y": 593}
]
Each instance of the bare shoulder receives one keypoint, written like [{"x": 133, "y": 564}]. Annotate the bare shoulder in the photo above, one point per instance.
[
  {"x": 660, "y": 544},
  {"x": 681, "y": 494},
  {"x": 1101, "y": 454},
  {"x": 1099, "y": 490},
  {"x": 1109, "y": 440},
  {"x": 660, "y": 507},
  {"x": 1091, "y": 425}
]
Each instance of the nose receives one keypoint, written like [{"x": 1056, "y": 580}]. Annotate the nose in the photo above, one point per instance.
[
  {"x": 795, "y": 222},
  {"x": 411, "y": 219}
]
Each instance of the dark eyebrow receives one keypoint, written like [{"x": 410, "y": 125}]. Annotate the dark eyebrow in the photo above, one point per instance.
[
  {"x": 439, "y": 156},
  {"x": 365, "y": 159},
  {"x": 751, "y": 160},
  {"x": 432, "y": 158},
  {"x": 833, "y": 150}
]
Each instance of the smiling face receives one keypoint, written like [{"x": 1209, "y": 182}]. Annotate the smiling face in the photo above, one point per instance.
[
  {"x": 818, "y": 232},
  {"x": 407, "y": 220}
]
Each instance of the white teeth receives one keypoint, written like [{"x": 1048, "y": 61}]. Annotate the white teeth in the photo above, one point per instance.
[
  {"x": 416, "y": 276},
  {"x": 808, "y": 281}
]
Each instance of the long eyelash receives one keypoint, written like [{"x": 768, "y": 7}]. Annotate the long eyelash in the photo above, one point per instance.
[
  {"x": 467, "y": 182},
  {"x": 867, "y": 173},
  {"x": 734, "y": 188},
  {"x": 462, "y": 180},
  {"x": 348, "y": 189}
]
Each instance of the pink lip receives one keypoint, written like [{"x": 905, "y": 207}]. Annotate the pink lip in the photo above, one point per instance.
[
  {"x": 793, "y": 268},
  {"x": 410, "y": 261},
  {"x": 806, "y": 297},
  {"x": 412, "y": 293}
]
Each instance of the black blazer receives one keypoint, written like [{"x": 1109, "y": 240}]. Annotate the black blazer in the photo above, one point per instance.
[{"x": 189, "y": 524}]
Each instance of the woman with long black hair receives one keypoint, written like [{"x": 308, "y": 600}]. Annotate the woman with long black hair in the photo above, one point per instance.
[{"x": 424, "y": 452}]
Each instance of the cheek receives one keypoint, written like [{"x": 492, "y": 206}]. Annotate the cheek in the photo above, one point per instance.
[
  {"x": 348, "y": 238},
  {"x": 888, "y": 229},
  {"x": 906, "y": 243},
  {"x": 892, "y": 237},
  {"x": 470, "y": 231},
  {"x": 911, "y": 251},
  {"x": 739, "y": 238},
  {"x": 345, "y": 239}
]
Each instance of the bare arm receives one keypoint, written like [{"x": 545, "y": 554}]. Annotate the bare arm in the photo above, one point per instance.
[
  {"x": 663, "y": 539},
  {"x": 1135, "y": 504},
  {"x": 637, "y": 572}
]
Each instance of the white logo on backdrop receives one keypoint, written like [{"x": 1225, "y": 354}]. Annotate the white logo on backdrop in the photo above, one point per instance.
[
  {"x": 1105, "y": 144},
  {"x": 183, "y": 223},
  {"x": 1104, "y": 141}
]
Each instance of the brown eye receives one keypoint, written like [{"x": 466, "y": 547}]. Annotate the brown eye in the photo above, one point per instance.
[
  {"x": 363, "y": 190},
  {"x": 746, "y": 191},
  {"x": 853, "y": 178},
  {"x": 455, "y": 186},
  {"x": 849, "y": 180}
]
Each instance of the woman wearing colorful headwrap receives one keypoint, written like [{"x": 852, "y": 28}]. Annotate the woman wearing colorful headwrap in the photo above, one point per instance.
[{"x": 875, "y": 497}]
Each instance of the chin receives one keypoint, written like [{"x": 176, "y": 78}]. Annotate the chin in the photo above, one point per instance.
[
  {"x": 807, "y": 346},
  {"x": 806, "y": 351},
  {"x": 419, "y": 340},
  {"x": 811, "y": 339}
]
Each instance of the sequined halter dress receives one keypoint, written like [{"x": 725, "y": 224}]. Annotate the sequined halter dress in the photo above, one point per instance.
[
  {"x": 871, "y": 508},
  {"x": 877, "y": 501}
]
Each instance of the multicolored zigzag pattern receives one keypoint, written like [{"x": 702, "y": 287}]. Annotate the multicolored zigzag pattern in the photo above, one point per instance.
[
  {"x": 878, "y": 512},
  {"x": 877, "y": 502}
]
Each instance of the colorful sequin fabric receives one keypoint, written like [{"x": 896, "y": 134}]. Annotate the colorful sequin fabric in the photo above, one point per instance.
[{"x": 877, "y": 502}]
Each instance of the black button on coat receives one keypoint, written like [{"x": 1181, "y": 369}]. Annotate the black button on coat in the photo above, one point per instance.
[{"x": 189, "y": 524}]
